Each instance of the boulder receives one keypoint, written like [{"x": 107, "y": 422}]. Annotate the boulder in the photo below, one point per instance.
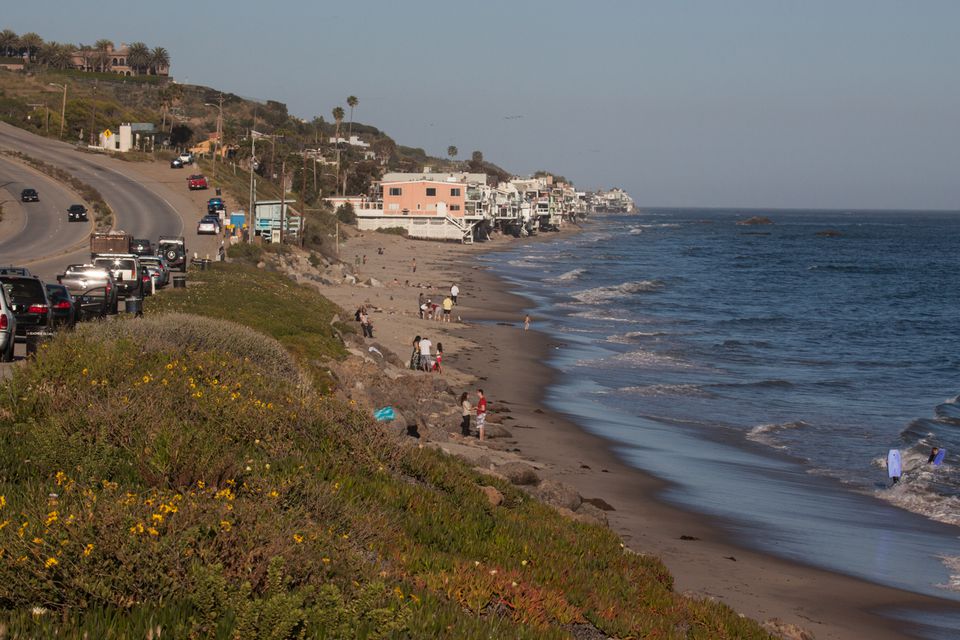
[
  {"x": 519, "y": 473},
  {"x": 586, "y": 512},
  {"x": 557, "y": 494},
  {"x": 494, "y": 430},
  {"x": 493, "y": 495},
  {"x": 373, "y": 282},
  {"x": 755, "y": 220},
  {"x": 349, "y": 278}
]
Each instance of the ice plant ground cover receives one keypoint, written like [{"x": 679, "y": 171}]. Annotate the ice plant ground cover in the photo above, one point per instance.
[{"x": 159, "y": 478}]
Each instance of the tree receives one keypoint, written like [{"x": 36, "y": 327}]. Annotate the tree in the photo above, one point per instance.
[
  {"x": 384, "y": 148},
  {"x": 346, "y": 214},
  {"x": 351, "y": 102},
  {"x": 138, "y": 57},
  {"x": 180, "y": 135},
  {"x": 452, "y": 152},
  {"x": 159, "y": 59},
  {"x": 338, "y": 117},
  {"x": 30, "y": 44},
  {"x": 103, "y": 48},
  {"x": 9, "y": 42}
]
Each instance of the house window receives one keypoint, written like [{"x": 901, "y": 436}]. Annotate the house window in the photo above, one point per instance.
[
  {"x": 393, "y": 206},
  {"x": 455, "y": 192},
  {"x": 396, "y": 191},
  {"x": 454, "y": 207},
  {"x": 431, "y": 191}
]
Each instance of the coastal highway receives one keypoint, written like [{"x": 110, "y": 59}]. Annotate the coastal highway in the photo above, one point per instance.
[
  {"x": 36, "y": 230},
  {"x": 141, "y": 209}
]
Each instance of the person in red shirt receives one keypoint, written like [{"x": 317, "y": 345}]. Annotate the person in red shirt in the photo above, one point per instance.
[{"x": 481, "y": 414}]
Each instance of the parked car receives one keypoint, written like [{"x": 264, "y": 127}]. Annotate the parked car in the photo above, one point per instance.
[
  {"x": 208, "y": 225},
  {"x": 77, "y": 213},
  {"x": 88, "y": 279},
  {"x": 62, "y": 306},
  {"x": 158, "y": 269},
  {"x": 141, "y": 247},
  {"x": 174, "y": 251},
  {"x": 31, "y": 308},
  {"x": 126, "y": 271},
  {"x": 29, "y": 195},
  {"x": 176, "y": 163},
  {"x": 215, "y": 205},
  {"x": 186, "y": 158},
  {"x": 14, "y": 271},
  {"x": 196, "y": 182},
  {"x": 8, "y": 327}
]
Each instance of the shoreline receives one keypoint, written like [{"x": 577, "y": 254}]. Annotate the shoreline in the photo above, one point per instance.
[{"x": 707, "y": 562}]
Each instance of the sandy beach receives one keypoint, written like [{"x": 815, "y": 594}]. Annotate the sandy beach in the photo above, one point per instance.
[{"x": 486, "y": 347}]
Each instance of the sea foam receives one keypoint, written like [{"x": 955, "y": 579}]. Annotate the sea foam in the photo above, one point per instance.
[{"x": 613, "y": 292}]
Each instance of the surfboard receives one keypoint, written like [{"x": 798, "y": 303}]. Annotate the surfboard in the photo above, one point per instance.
[
  {"x": 940, "y": 456},
  {"x": 893, "y": 463}
]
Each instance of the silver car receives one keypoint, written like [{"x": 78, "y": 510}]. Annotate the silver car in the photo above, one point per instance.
[
  {"x": 158, "y": 269},
  {"x": 8, "y": 327}
]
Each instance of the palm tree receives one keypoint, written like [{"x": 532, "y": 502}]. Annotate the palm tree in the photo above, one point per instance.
[
  {"x": 351, "y": 102},
  {"x": 138, "y": 57},
  {"x": 452, "y": 152},
  {"x": 9, "y": 42},
  {"x": 159, "y": 59},
  {"x": 31, "y": 43},
  {"x": 103, "y": 48},
  {"x": 338, "y": 117}
]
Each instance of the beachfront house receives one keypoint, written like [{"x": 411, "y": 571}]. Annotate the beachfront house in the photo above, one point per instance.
[{"x": 428, "y": 205}]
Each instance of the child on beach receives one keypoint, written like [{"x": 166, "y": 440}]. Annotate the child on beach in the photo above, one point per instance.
[
  {"x": 526, "y": 322},
  {"x": 465, "y": 414},
  {"x": 439, "y": 359}
]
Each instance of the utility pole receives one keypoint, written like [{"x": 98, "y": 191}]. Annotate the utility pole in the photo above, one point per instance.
[
  {"x": 283, "y": 199},
  {"x": 63, "y": 106},
  {"x": 253, "y": 152},
  {"x": 93, "y": 115}
]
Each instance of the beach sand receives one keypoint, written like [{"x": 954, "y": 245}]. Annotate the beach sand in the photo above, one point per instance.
[{"x": 508, "y": 363}]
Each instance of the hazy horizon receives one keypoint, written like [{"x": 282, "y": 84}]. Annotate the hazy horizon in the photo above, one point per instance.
[{"x": 749, "y": 103}]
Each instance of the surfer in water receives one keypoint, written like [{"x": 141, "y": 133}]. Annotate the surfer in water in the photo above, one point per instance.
[{"x": 933, "y": 455}]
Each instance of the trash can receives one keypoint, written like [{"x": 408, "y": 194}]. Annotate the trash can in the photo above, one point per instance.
[
  {"x": 134, "y": 306},
  {"x": 218, "y": 192},
  {"x": 204, "y": 264},
  {"x": 179, "y": 282}
]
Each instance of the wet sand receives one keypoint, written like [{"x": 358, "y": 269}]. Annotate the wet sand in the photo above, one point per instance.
[{"x": 489, "y": 349}]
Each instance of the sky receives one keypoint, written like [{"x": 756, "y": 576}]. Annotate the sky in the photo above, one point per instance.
[{"x": 849, "y": 104}]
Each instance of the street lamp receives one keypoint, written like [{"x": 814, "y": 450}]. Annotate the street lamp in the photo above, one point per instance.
[
  {"x": 63, "y": 107},
  {"x": 219, "y": 107}
]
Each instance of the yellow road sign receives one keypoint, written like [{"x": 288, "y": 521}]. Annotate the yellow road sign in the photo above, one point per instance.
[{"x": 107, "y": 133}]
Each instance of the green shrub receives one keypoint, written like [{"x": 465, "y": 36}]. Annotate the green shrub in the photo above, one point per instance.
[
  {"x": 246, "y": 251},
  {"x": 394, "y": 231},
  {"x": 346, "y": 214}
]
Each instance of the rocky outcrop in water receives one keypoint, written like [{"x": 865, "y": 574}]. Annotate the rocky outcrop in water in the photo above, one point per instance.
[{"x": 755, "y": 220}]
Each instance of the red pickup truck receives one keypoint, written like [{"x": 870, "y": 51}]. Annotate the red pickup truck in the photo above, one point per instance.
[{"x": 196, "y": 182}]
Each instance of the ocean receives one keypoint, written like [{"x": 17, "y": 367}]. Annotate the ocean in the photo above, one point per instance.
[{"x": 766, "y": 370}]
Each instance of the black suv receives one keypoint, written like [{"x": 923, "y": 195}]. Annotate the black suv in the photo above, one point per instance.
[
  {"x": 174, "y": 250},
  {"x": 30, "y": 306},
  {"x": 29, "y": 195},
  {"x": 77, "y": 213},
  {"x": 141, "y": 247}
]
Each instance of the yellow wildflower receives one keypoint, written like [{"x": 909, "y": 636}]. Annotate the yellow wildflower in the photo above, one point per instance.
[
  {"x": 85, "y": 371},
  {"x": 87, "y": 550},
  {"x": 169, "y": 366},
  {"x": 51, "y": 562},
  {"x": 153, "y": 531},
  {"x": 201, "y": 484},
  {"x": 146, "y": 379},
  {"x": 326, "y": 560},
  {"x": 273, "y": 494},
  {"x": 137, "y": 528},
  {"x": 297, "y": 538},
  {"x": 164, "y": 382},
  {"x": 3, "y": 524},
  {"x": 226, "y": 525},
  {"x": 38, "y": 541},
  {"x": 157, "y": 518},
  {"x": 61, "y": 477},
  {"x": 3, "y": 501},
  {"x": 51, "y": 518}
]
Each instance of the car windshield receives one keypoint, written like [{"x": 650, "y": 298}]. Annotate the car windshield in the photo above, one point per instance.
[
  {"x": 124, "y": 264},
  {"x": 57, "y": 292}
]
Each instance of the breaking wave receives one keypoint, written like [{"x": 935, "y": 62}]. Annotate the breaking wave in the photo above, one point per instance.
[
  {"x": 569, "y": 275},
  {"x": 765, "y": 433},
  {"x": 689, "y": 390},
  {"x": 613, "y": 292}
]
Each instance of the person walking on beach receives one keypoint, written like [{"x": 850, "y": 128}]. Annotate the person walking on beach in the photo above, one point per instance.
[
  {"x": 447, "y": 308},
  {"x": 420, "y": 301},
  {"x": 465, "y": 415},
  {"x": 425, "y": 345},
  {"x": 526, "y": 322},
  {"x": 438, "y": 361},
  {"x": 365, "y": 323},
  {"x": 413, "y": 265},
  {"x": 481, "y": 414},
  {"x": 454, "y": 292},
  {"x": 356, "y": 259},
  {"x": 415, "y": 356}
]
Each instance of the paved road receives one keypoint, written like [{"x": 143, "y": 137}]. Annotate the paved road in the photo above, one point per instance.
[
  {"x": 36, "y": 230},
  {"x": 141, "y": 210}
]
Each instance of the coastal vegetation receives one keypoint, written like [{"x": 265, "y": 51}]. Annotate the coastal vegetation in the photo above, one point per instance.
[{"x": 190, "y": 475}]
